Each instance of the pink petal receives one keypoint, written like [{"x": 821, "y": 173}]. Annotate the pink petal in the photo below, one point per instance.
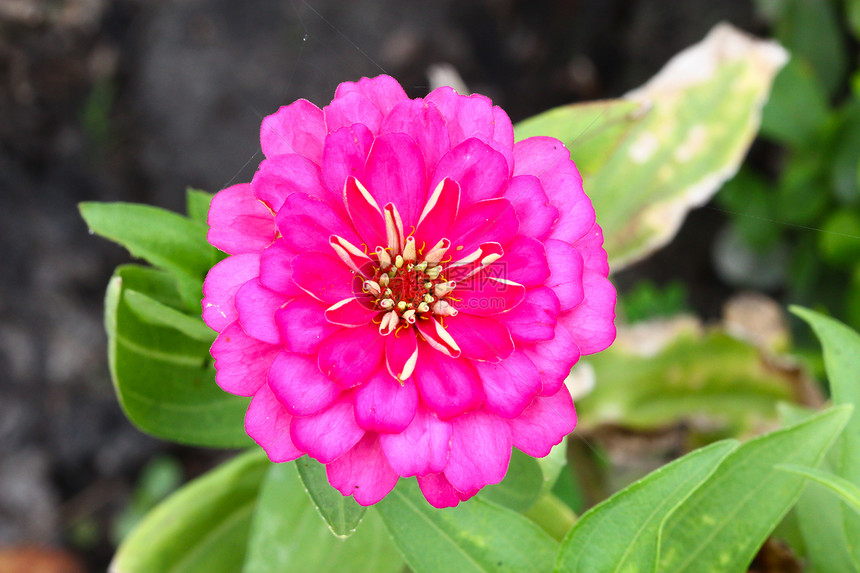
[
  {"x": 435, "y": 335},
  {"x": 479, "y": 260},
  {"x": 276, "y": 272},
  {"x": 503, "y": 134},
  {"x": 299, "y": 385},
  {"x": 306, "y": 224},
  {"x": 421, "y": 448},
  {"x": 480, "y": 338},
  {"x": 350, "y": 312},
  {"x": 351, "y": 355},
  {"x": 524, "y": 262},
  {"x": 510, "y": 385},
  {"x": 421, "y": 121},
  {"x": 352, "y": 108},
  {"x": 534, "y": 211},
  {"x": 383, "y": 91},
  {"x": 282, "y": 175},
  {"x": 352, "y": 256},
  {"x": 383, "y": 404},
  {"x": 365, "y": 214},
  {"x": 590, "y": 246},
  {"x": 553, "y": 358},
  {"x": 363, "y": 472},
  {"x": 394, "y": 173},
  {"x": 439, "y": 492},
  {"x": 465, "y": 115},
  {"x": 238, "y": 222},
  {"x": 544, "y": 423},
  {"x": 480, "y": 451},
  {"x": 220, "y": 287},
  {"x": 268, "y": 424},
  {"x": 485, "y": 296},
  {"x": 241, "y": 362},
  {"x": 295, "y": 128},
  {"x": 566, "y": 266},
  {"x": 438, "y": 214},
  {"x": 592, "y": 323},
  {"x": 257, "y": 306},
  {"x": 344, "y": 156},
  {"x": 549, "y": 160},
  {"x": 401, "y": 353},
  {"x": 535, "y": 318},
  {"x": 449, "y": 386},
  {"x": 303, "y": 326},
  {"x": 488, "y": 221},
  {"x": 323, "y": 277},
  {"x": 480, "y": 170},
  {"x": 328, "y": 434}
]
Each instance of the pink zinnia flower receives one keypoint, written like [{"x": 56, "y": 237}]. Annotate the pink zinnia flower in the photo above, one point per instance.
[{"x": 407, "y": 291}]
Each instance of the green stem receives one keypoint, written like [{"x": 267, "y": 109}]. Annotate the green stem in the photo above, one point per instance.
[{"x": 552, "y": 515}]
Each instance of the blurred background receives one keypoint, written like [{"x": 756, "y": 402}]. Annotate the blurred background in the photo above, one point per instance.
[{"x": 133, "y": 100}]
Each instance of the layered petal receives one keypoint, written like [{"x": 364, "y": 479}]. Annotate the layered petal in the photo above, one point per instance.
[
  {"x": 329, "y": 433},
  {"x": 510, "y": 385},
  {"x": 535, "y": 318},
  {"x": 566, "y": 268},
  {"x": 486, "y": 296},
  {"x": 592, "y": 323},
  {"x": 481, "y": 338},
  {"x": 421, "y": 448},
  {"x": 306, "y": 224},
  {"x": 299, "y": 385},
  {"x": 394, "y": 173},
  {"x": 384, "y": 404},
  {"x": 350, "y": 108},
  {"x": 351, "y": 355},
  {"x": 401, "y": 353},
  {"x": 524, "y": 262},
  {"x": 276, "y": 271},
  {"x": 487, "y": 221},
  {"x": 383, "y": 91},
  {"x": 449, "y": 387},
  {"x": 480, "y": 170},
  {"x": 323, "y": 277},
  {"x": 363, "y": 472},
  {"x": 241, "y": 362},
  {"x": 238, "y": 222},
  {"x": 257, "y": 306},
  {"x": 220, "y": 286},
  {"x": 344, "y": 156},
  {"x": 534, "y": 211},
  {"x": 282, "y": 175},
  {"x": 439, "y": 491},
  {"x": 480, "y": 451},
  {"x": 295, "y": 128},
  {"x": 553, "y": 358},
  {"x": 268, "y": 424},
  {"x": 546, "y": 421},
  {"x": 303, "y": 326},
  {"x": 421, "y": 121}
]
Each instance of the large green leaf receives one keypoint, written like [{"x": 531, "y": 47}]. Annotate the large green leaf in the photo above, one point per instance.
[
  {"x": 721, "y": 526},
  {"x": 703, "y": 111},
  {"x": 288, "y": 535},
  {"x": 163, "y": 378},
  {"x": 622, "y": 533},
  {"x": 842, "y": 361},
  {"x": 202, "y": 528},
  {"x": 644, "y": 383},
  {"x": 342, "y": 513},
  {"x": 165, "y": 239},
  {"x": 476, "y": 536}
]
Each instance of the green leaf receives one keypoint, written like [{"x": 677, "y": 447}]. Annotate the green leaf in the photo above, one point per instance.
[
  {"x": 819, "y": 512},
  {"x": 153, "y": 312},
  {"x": 593, "y": 130},
  {"x": 522, "y": 484},
  {"x": 721, "y": 526},
  {"x": 167, "y": 240},
  {"x": 841, "y": 354},
  {"x": 798, "y": 106},
  {"x": 840, "y": 486},
  {"x": 703, "y": 112},
  {"x": 477, "y": 535},
  {"x": 342, "y": 513},
  {"x": 288, "y": 535},
  {"x": 197, "y": 204},
  {"x": 622, "y": 533},
  {"x": 203, "y": 527},
  {"x": 660, "y": 373},
  {"x": 163, "y": 378}
]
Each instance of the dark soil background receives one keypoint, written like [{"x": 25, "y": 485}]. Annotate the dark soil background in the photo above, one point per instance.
[{"x": 134, "y": 100}]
